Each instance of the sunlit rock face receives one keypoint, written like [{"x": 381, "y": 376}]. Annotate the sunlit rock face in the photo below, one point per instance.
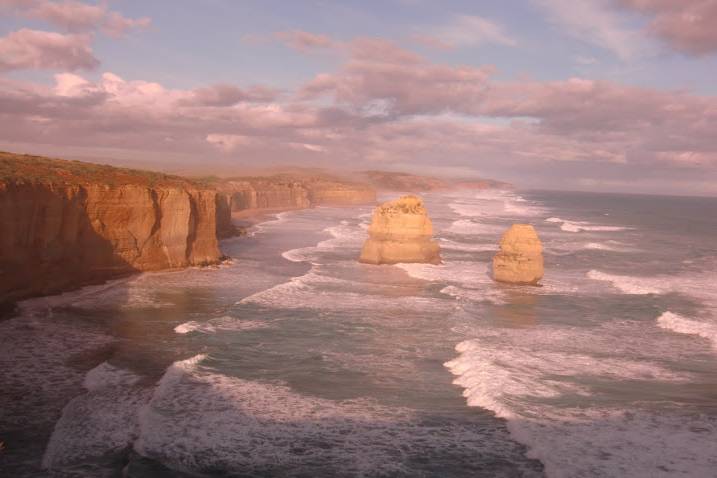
[
  {"x": 520, "y": 260},
  {"x": 67, "y": 224},
  {"x": 400, "y": 231}
]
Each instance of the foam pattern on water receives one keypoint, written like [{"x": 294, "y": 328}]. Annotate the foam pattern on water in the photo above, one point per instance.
[
  {"x": 528, "y": 376},
  {"x": 98, "y": 424},
  {"x": 580, "y": 226},
  {"x": 220, "y": 324},
  {"x": 203, "y": 421},
  {"x": 683, "y": 325}
]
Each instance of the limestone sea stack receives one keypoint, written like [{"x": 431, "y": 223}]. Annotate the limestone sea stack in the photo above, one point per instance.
[
  {"x": 400, "y": 231},
  {"x": 520, "y": 260}
]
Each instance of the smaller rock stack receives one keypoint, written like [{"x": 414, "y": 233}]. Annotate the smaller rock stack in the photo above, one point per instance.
[
  {"x": 520, "y": 260},
  {"x": 400, "y": 231}
]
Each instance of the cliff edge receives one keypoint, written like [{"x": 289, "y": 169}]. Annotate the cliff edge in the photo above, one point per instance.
[
  {"x": 285, "y": 192},
  {"x": 68, "y": 223},
  {"x": 397, "y": 181},
  {"x": 400, "y": 231}
]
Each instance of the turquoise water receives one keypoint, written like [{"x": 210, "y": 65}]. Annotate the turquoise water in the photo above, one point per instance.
[{"x": 295, "y": 360}]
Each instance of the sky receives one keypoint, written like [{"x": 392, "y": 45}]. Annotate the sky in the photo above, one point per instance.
[{"x": 600, "y": 95}]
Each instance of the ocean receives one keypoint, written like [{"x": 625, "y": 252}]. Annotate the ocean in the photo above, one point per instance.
[{"x": 295, "y": 360}]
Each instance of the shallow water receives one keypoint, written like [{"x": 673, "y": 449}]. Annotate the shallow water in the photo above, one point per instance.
[{"x": 295, "y": 360}]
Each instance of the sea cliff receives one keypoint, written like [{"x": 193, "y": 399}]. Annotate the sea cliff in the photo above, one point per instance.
[
  {"x": 67, "y": 223},
  {"x": 285, "y": 192}
]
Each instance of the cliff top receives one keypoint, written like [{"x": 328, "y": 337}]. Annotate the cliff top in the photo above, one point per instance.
[
  {"x": 28, "y": 168},
  {"x": 317, "y": 179},
  {"x": 404, "y": 205},
  {"x": 397, "y": 181}
]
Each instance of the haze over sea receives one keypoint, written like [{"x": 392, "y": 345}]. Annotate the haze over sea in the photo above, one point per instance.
[{"x": 296, "y": 360}]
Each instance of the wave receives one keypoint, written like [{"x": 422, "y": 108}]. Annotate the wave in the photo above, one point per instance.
[
  {"x": 106, "y": 375},
  {"x": 629, "y": 284},
  {"x": 498, "y": 204},
  {"x": 264, "y": 226},
  {"x": 470, "y": 227},
  {"x": 546, "y": 384},
  {"x": 99, "y": 424},
  {"x": 225, "y": 323},
  {"x": 343, "y": 235},
  {"x": 578, "y": 226},
  {"x": 468, "y": 247},
  {"x": 466, "y": 280},
  {"x": 199, "y": 420},
  {"x": 315, "y": 290},
  {"x": 680, "y": 324}
]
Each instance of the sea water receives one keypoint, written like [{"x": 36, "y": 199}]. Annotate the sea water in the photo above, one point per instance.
[{"x": 295, "y": 360}]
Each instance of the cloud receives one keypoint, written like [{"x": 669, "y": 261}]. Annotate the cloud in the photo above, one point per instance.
[
  {"x": 229, "y": 143},
  {"x": 466, "y": 31},
  {"x": 74, "y": 16},
  {"x": 223, "y": 95},
  {"x": 304, "y": 41},
  {"x": 686, "y": 25},
  {"x": 594, "y": 22},
  {"x": 116, "y": 25},
  {"x": 389, "y": 106},
  {"x": 381, "y": 73},
  {"x": 32, "y": 49}
]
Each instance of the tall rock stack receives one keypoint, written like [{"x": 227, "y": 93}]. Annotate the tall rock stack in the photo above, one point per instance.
[
  {"x": 520, "y": 260},
  {"x": 400, "y": 231}
]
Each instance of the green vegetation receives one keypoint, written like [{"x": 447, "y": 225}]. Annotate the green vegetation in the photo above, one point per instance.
[{"x": 28, "y": 168}]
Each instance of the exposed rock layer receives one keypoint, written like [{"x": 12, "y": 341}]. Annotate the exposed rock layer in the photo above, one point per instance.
[
  {"x": 520, "y": 259},
  {"x": 400, "y": 231},
  {"x": 65, "y": 224},
  {"x": 287, "y": 192}
]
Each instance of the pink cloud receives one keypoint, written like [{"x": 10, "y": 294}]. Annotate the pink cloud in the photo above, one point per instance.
[
  {"x": 32, "y": 49},
  {"x": 401, "y": 80},
  {"x": 116, "y": 25},
  {"x": 223, "y": 95},
  {"x": 686, "y": 25},
  {"x": 466, "y": 31},
  {"x": 74, "y": 16},
  {"x": 384, "y": 104},
  {"x": 305, "y": 41}
]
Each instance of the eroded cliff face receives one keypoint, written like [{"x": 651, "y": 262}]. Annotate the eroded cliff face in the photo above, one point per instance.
[
  {"x": 286, "y": 192},
  {"x": 400, "y": 231},
  {"x": 259, "y": 193},
  {"x": 61, "y": 230},
  {"x": 520, "y": 259}
]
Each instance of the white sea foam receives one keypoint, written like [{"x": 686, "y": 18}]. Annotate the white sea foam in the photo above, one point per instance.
[
  {"x": 629, "y": 284},
  {"x": 225, "y": 323},
  {"x": 106, "y": 375},
  {"x": 504, "y": 204},
  {"x": 264, "y": 226},
  {"x": 578, "y": 226},
  {"x": 343, "y": 236},
  {"x": 683, "y": 325},
  {"x": 200, "y": 420},
  {"x": 99, "y": 423},
  {"x": 468, "y": 247},
  {"x": 471, "y": 227},
  {"x": 466, "y": 280},
  {"x": 315, "y": 290},
  {"x": 600, "y": 246},
  {"x": 530, "y": 375}
]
